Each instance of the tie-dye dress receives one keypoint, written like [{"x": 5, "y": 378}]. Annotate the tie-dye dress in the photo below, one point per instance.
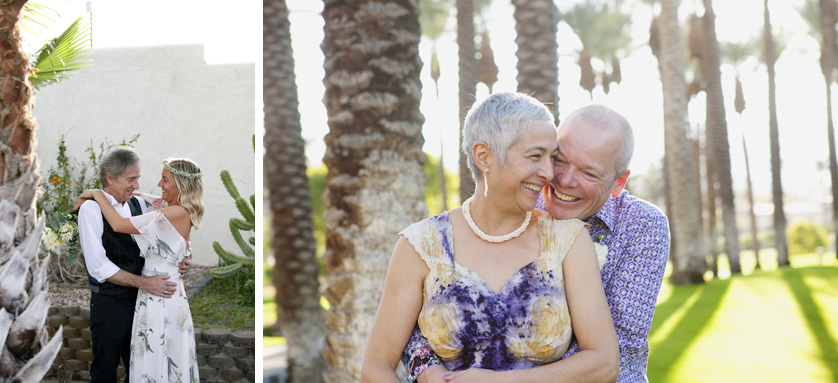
[
  {"x": 162, "y": 337},
  {"x": 470, "y": 326}
]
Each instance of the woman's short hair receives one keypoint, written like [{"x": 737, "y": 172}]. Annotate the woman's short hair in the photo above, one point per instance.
[
  {"x": 498, "y": 121},
  {"x": 190, "y": 189},
  {"x": 115, "y": 162}
]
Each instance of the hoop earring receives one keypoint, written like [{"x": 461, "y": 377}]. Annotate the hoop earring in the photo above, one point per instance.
[{"x": 486, "y": 182}]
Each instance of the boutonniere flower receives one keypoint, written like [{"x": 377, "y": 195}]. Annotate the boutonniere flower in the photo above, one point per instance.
[{"x": 601, "y": 250}]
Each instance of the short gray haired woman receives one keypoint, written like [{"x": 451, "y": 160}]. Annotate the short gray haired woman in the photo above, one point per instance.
[{"x": 501, "y": 301}]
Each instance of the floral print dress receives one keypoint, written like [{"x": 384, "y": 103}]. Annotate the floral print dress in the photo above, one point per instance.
[
  {"x": 468, "y": 325},
  {"x": 162, "y": 337}
]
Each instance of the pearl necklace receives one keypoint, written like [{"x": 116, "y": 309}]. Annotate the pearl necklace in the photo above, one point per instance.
[{"x": 493, "y": 238}]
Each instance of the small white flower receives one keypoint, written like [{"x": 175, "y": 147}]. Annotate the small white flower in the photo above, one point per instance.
[
  {"x": 51, "y": 241},
  {"x": 67, "y": 231}
]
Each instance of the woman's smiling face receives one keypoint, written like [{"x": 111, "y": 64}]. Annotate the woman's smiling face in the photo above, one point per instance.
[
  {"x": 169, "y": 187},
  {"x": 528, "y": 166}
]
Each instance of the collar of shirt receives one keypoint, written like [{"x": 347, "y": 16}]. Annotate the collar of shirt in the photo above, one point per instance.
[
  {"x": 122, "y": 208},
  {"x": 608, "y": 213}
]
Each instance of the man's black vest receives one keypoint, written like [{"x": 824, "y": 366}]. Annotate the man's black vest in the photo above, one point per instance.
[{"x": 124, "y": 253}]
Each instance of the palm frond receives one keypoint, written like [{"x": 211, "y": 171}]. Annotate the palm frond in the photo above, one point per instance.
[
  {"x": 810, "y": 12},
  {"x": 65, "y": 53},
  {"x": 36, "y": 14}
]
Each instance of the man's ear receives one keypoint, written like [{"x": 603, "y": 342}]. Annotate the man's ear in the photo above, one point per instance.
[
  {"x": 621, "y": 183},
  {"x": 109, "y": 178}
]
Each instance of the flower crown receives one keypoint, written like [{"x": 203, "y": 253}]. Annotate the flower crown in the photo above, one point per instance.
[{"x": 182, "y": 173}]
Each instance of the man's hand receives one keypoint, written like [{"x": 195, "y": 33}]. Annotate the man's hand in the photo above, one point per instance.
[
  {"x": 432, "y": 374},
  {"x": 159, "y": 286},
  {"x": 183, "y": 266}
]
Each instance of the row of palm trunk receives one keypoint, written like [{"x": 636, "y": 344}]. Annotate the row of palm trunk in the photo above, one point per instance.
[{"x": 375, "y": 182}]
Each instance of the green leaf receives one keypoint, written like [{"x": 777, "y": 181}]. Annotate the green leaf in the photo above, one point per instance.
[{"x": 64, "y": 54}]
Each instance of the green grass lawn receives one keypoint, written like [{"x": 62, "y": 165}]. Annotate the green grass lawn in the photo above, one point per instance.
[
  {"x": 214, "y": 307},
  {"x": 767, "y": 326}
]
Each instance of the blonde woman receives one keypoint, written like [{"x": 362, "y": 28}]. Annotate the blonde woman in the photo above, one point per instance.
[{"x": 162, "y": 337}]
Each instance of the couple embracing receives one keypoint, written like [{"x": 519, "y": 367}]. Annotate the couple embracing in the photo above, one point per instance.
[
  {"x": 549, "y": 273},
  {"x": 136, "y": 247}
]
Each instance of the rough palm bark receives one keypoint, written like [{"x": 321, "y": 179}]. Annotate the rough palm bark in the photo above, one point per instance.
[
  {"x": 375, "y": 185},
  {"x": 683, "y": 189},
  {"x": 779, "y": 216},
  {"x": 24, "y": 302},
  {"x": 717, "y": 135},
  {"x": 828, "y": 40},
  {"x": 295, "y": 272},
  {"x": 536, "y": 25},
  {"x": 468, "y": 72}
]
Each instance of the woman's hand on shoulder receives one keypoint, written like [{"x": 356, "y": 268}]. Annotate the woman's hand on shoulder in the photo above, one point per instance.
[{"x": 88, "y": 194}]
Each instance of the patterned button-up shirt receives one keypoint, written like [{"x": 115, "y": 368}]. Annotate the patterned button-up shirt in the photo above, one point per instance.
[{"x": 636, "y": 234}]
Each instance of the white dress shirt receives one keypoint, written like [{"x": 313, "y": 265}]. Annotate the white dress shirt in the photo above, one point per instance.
[{"x": 91, "y": 227}]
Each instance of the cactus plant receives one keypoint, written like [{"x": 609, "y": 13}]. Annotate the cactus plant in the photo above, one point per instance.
[{"x": 232, "y": 264}]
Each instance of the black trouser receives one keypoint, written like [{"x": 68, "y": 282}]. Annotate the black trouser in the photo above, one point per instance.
[{"x": 110, "y": 329}]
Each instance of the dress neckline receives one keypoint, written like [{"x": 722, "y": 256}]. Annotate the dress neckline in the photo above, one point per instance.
[{"x": 463, "y": 269}]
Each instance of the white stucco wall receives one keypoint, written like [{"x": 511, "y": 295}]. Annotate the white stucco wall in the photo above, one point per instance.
[{"x": 180, "y": 106}]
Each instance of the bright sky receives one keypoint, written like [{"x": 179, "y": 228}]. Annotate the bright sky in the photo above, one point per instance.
[
  {"x": 230, "y": 31},
  {"x": 800, "y": 92}
]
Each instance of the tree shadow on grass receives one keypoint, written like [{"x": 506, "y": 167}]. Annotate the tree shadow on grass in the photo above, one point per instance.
[
  {"x": 697, "y": 316},
  {"x": 814, "y": 318},
  {"x": 665, "y": 309}
]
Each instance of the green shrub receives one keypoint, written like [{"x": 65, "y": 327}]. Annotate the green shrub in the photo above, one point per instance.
[{"x": 805, "y": 237}]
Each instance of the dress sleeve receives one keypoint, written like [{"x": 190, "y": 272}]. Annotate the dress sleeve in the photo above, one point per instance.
[
  {"x": 158, "y": 235},
  {"x": 153, "y": 202},
  {"x": 558, "y": 235},
  {"x": 424, "y": 239}
]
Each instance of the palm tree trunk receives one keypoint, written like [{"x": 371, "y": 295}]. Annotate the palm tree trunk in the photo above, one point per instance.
[
  {"x": 833, "y": 166},
  {"x": 751, "y": 213},
  {"x": 295, "y": 271},
  {"x": 710, "y": 179},
  {"x": 468, "y": 77},
  {"x": 827, "y": 66},
  {"x": 774, "y": 135},
  {"x": 696, "y": 161},
  {"x": 717, "y": 132},
  {"x": 683, "y": 189},
  {"x": 375, "y": 186},
  {"x": 536, "y": 25},
  {"x": 28, "y": 353}
]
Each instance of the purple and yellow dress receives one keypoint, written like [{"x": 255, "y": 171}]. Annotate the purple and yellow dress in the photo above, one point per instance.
[{"x": 468, "y": 325}]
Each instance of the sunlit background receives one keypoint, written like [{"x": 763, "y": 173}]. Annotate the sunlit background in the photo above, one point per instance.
[{"x": 800, "y": 94}]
